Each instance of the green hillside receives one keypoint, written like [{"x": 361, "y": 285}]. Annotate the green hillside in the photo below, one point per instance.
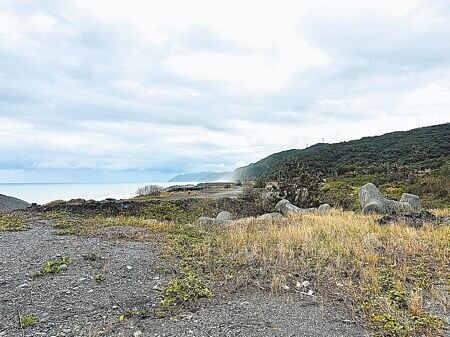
[{"x": 417, "y": 149}]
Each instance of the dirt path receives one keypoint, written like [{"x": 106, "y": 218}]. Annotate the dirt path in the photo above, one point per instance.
[{"x": 74, "y": 303}]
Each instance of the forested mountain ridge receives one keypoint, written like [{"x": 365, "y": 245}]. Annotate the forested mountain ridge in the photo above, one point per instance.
[{"x": 416, "y": 149}]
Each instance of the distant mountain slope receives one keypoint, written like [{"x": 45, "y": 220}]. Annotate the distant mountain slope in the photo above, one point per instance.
[
  {"x": 202, "y": 177},
  {"x": 422, "y": 148}
]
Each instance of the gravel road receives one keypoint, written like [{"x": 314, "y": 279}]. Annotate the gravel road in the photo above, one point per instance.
[{"x": 73, "y": 303}]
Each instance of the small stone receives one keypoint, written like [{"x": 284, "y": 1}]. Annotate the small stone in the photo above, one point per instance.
[
  {"x": 285, "y": 287},
  {"x": 137, "y": 333},
  {"x": 324, "y": 208},
  {"x": 305, "y": 284},
  {"x": 129, "y": 267},
  {"x": 23, "y": 285},
  {"x": 82, "y": 279},
  {"x": 224, "y": 215}
]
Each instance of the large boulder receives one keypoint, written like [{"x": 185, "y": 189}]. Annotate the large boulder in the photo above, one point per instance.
[
  {"x": 372, "y": 201},
  {"x": 224, "y": 216},
  {"x": 285, "y": 207},
  {"x": 324, "y": 208}
]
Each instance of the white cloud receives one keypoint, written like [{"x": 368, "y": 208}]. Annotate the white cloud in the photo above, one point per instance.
[{"x": 180, "y": 86}]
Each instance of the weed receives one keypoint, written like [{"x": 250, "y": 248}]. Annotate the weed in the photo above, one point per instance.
[
  {"x": 27, "y": 320},
  {"x": 100, "y": 277},
  {"x": 54, "y": 266},
  {"x": 188, "y": 288}
]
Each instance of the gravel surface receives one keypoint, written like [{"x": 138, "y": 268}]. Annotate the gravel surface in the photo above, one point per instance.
[
  {"x": 73, "y": 303},
  {"x": 8, "y": 204}
]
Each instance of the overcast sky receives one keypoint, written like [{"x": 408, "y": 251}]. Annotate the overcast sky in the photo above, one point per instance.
[{"x": 142, "y": 90}]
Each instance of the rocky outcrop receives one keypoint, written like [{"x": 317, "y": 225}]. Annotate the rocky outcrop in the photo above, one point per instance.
[
  {"x": 182, "y": 188},
  {"x": 373, "y": 201},
  {"x": 8, "y": 204}
]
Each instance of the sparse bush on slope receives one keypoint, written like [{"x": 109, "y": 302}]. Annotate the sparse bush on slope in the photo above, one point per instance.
[{"x": 149, "y": 190}]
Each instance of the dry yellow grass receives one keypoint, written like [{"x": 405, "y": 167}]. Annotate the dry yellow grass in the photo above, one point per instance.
[
  {"x": 441, "y": 211},
  {"x": 383, "y": 271}
]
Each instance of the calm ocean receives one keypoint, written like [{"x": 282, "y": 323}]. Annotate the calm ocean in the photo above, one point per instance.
[{"x": 43, "y": 193}]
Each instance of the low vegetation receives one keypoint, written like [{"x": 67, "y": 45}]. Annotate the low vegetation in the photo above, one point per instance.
[
  {"x": 394, "y": 277},
  {"x": 10, "y": 222},
  {"x": 385, "y": 274},
  {"x": 186, "y": 288}
]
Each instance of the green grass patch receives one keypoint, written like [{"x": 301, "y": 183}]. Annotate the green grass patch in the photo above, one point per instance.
[
  {"x": 27, "y": 320},
  {"x": 9, "y": 222}
]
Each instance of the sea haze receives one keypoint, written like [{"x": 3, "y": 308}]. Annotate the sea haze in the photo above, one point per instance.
[{"x": 43, "y": 193}]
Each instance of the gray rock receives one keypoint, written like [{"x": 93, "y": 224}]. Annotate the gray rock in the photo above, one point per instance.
[
  {"x": 204, "y": 220},
  {"x": 224, "y": 216},
  {"x": 270, "y": 216},
  {"x": 8, "y": 204},
  {"x": 372, "y": 201},
  {"x": 413, "y": 200},
  {"x": 285, "y": 207},
  {"x": 324, "y": 208}
]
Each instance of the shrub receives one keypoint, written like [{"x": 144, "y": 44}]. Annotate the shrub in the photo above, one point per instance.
[{"x": 149, "y": 190}]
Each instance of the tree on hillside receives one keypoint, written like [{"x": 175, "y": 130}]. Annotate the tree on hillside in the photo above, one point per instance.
[{"x": 298, "y": 183}]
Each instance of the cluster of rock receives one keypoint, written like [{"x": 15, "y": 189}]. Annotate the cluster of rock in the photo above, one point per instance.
[
  {"x": 374, "y": 202},
  {"x": 408, "y": 209},
  {"x": 282, "y": 208}
]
